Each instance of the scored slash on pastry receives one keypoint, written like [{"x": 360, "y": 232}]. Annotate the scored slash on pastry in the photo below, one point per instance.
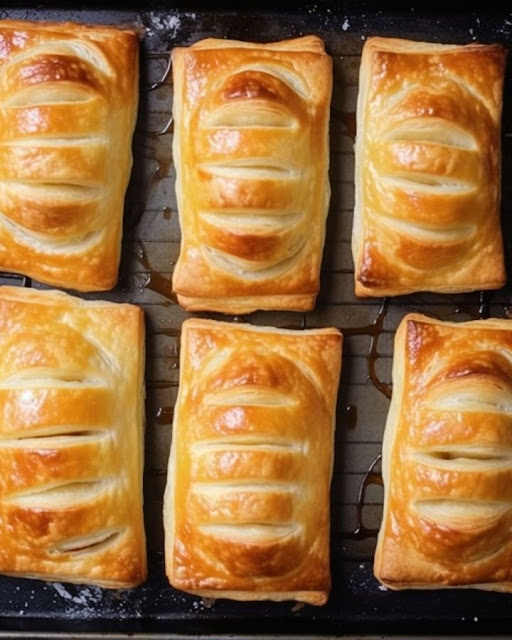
[
  {"x": 447, "y": 457},
  {"x": 69, "y": 97},
  {"x": 251, "y": 150},
  {"x": 428, "y": 163},
  {"x": 246, "y": 509},
  {"x": 71, "y": 438}
]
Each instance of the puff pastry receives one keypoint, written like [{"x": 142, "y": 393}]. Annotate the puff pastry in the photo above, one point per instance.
[
  {"x": 251, "y": 154},
  {"x": 447, "y": 457},
  {"x": 69, "y": 96},
  {"x": 246, "y": 509},
  {"x": 428, "y": 164},
  {"x": 71, "y": 439}
]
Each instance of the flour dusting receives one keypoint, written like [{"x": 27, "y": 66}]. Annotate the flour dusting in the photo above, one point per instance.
[
  {"x": 87, "y": 597},
  {"x": 160, "y": 24}
]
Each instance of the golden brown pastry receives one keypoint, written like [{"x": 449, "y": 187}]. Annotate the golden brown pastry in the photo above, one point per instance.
[
  {"x": 447, "y": 457},
  {"x": 69, "y": 97},
  {"x": 246, "y": 511},
  {"x": 428, "y": 162},
  {"x": 71, "y": 439},
  {"x": 251, "y": 154}
]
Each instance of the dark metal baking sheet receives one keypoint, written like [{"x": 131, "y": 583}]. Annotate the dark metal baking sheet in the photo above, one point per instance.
[{"x": 357, "y": 604}]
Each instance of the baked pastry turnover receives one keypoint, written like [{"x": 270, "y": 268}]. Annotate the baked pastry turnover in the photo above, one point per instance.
[
  {"x": 246, "y": 509},
  {"x": 69, "y": 97},
  {"x": 428, "y": 163},
  {"x": 71, "y": 439},
  {"x": 447, "y": 457},
  {"x": 251, "y": 153}
]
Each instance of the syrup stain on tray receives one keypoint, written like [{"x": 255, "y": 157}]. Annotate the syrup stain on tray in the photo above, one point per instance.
[
  {"x": 155, "y": 280},
  {"x": 166, "y": 129},
  {"x": 170, "y": 332},
  {"x": 299, "y": 327},
  {"x": 374, "y": 330},
  {"x": 165, "y": 78},
  {"x": 167, "y": 331},
  {"x": 164, "y": 415},
  {"x": 142, "y": 181},
  {"x": 348, "y": 120},
  {"x": 350, "y": 416},
  {"x": 483, "y": 309},
  {"x": 362, "y": 532},
  {"x": 161, "y": 384},
  {"x": 147, "y": 145},
  {"x": 480, "y": 312},
  {"x": 160, "y": 154},
  {"x": 133, "y": 215}
]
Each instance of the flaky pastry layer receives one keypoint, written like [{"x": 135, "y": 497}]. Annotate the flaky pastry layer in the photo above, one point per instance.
[
  {"x": 246, "y": 510},
  {"x": 428, "y": 168},
  {"x": 71, "y": 439},
  {"x": 69, "y": 95},
  {"x": 251, "y": 154},
  {"x": 447, "y": 457}
]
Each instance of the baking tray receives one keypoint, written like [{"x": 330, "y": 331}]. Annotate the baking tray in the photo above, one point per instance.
[{"x": 357, "y": 604}]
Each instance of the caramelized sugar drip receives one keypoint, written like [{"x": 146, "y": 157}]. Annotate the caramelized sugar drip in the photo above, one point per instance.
[
  {"x": 300, "y": 327},
  {"x": 347, "y": 119},
  {"x": 133, "y": 211},
  {"x": 484, "y": 301},
  {"x": 164, "y": 80},
  {"x": 166, "y": 76},
  {"x": 161, "y": 384},
  {"x": 350, "y": 416},
  {"x": 164, "y": 415},
  {"x": 373, "y": 353},
  {"x": 371, "y": 477},
  {"x": 147, "y": 147},
  {"x": 479, "y": 310},
  {"x": 167, "y": 128},
  {"x": 156, "y": 281},
  {"x": 167, "y": 331},
  {"x": 374, "y": 330}
]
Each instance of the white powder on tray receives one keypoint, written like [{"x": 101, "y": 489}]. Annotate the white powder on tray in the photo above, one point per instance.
[
  {"x": 84, "y": 601},
  {"x": 170, "y": 24}
]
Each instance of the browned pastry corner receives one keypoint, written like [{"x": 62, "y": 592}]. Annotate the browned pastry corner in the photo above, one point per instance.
[
  {"x": 428, "y": 168},
  {"x": 71, "y": 439},
  {"x": 251, "y": 154},
  {"x": 447, "y": 457},
  {"x": 246, "y": 510},
  {"x": 69, "y": 96}
]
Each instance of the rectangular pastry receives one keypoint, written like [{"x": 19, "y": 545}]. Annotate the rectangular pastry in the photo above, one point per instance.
[
  {"x": 251, "y": 124},
  {"x": 69, "y": 103},
  {"x": 428, "y": 168},
  {"x": 246, "y": 510},
  {"x": 447, "y": 457},
  {"x": 71, "y": 439}
]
